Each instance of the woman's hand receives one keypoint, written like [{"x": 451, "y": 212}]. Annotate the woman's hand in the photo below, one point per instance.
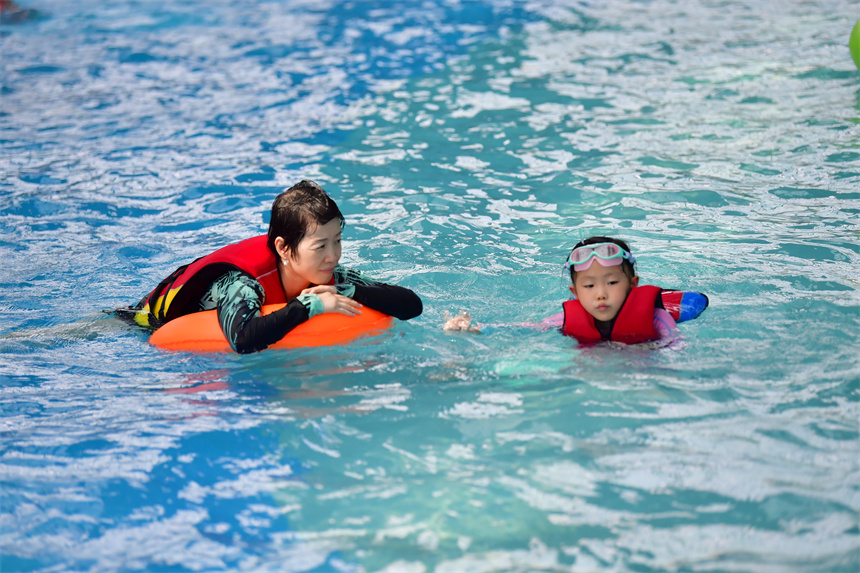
[{"x": 333, "y": 302}]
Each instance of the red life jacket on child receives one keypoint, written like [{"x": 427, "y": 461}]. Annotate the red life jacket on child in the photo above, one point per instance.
[
  {"x": 179, "y": 294},
  {"x": 634, "y": 323}
]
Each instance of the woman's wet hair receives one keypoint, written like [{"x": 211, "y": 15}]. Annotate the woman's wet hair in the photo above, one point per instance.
[
  {"x": 299, "y": 210},
  {"x": 626, "y": 267}
]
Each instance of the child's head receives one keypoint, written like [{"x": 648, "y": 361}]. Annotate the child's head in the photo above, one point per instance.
[{"x": 602, "y": 272}]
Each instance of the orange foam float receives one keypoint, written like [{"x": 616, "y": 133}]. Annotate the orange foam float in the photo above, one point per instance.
[{"x": 201, "y": 331}]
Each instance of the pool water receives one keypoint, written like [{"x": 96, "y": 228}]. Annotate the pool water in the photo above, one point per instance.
[{"x": 470, "y": 144}]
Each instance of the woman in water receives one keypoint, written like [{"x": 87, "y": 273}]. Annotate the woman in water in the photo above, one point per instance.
[{"x": 295, "y": 263}]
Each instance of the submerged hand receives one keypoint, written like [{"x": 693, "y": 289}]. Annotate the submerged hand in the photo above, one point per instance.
[{"x": 461, "y": 322}]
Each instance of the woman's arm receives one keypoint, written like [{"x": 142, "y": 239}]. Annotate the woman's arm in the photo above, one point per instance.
[
  {"x": 393, "y": 300},
  {"x": 239, "y": 299}
]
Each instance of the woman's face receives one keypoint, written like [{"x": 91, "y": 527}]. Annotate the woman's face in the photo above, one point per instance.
[{"x": 317, "y": 254}]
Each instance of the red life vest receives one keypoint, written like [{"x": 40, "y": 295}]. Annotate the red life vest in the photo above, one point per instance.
[
  {"x": 634, "y": 323},
  {"x": 179, "y": 294}
]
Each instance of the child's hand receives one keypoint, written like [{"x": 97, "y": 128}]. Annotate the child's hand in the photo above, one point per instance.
[{"x": 461, "y": 322}]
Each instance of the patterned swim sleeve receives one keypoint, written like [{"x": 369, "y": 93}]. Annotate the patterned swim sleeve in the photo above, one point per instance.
[
  {"x": 392, "y": 300},
  {"x": 345, "y": 280},
  {"x": 238, "y": 299}
]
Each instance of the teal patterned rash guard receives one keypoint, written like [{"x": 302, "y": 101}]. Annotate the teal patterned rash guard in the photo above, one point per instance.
[{"x": 238, "y": 299}]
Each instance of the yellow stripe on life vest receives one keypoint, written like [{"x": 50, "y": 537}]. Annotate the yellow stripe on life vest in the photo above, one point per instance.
[{"x": 142, "y": 317}]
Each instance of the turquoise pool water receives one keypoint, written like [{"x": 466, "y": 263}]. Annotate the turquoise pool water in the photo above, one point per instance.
[{"x": 470, "y": 144}]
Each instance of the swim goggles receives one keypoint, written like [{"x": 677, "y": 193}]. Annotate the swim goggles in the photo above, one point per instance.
[{"x": 607, "y": 254}]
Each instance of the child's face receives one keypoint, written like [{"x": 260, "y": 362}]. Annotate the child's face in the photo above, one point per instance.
[{"x": 602, "y": 290}]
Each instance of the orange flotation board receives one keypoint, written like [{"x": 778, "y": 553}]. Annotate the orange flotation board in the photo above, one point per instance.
[{"x": 200, "y": 331}]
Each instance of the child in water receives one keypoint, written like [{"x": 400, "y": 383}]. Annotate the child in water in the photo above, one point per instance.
[{"x": 608, "y": 302}]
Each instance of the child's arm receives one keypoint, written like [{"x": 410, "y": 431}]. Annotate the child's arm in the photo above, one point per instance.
[
  {"x": 664, "y": 324},
  {"x": 463, "y": 322},
  {"x": 683, "y": 305},
  {"x": 554, "y": 321}
]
